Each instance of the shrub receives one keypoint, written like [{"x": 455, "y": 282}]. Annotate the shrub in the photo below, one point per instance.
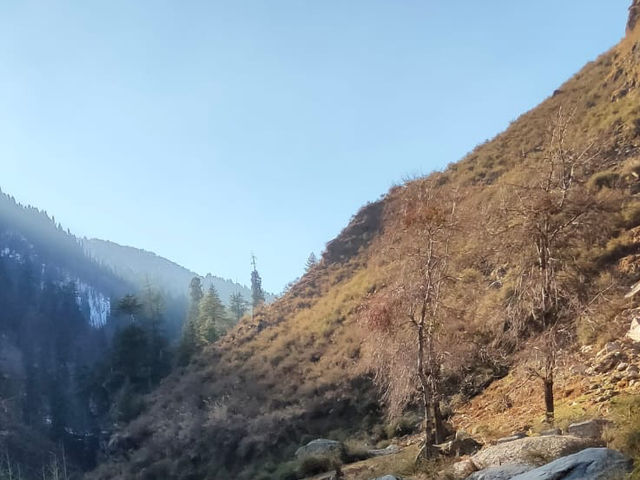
[
  {"x": 604, "y": 179},
  {"x": 318, "y": 464},
  {"x": 355, "y": 451}
]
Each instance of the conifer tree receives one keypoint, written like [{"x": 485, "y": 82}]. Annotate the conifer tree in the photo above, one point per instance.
[
  {"x": 257, "y": 294},
  {"x": 188, "y": 343},
  {"x": 311, "y": 261},
  {"x": 211, "y": 316},
  {"x": 238, "y": 306}
]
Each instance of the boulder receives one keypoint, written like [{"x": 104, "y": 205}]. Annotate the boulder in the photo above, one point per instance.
[
  {"x": 589, "y": 429},
  {"x": 634, "y": 330},
  {"x": 388, "y": 477},
  {"x": 320, "y": 447},
  {"x": 529, "y": 451},
  {"x": 504, "y": 472},
  {"x": 589, "y": 464}
]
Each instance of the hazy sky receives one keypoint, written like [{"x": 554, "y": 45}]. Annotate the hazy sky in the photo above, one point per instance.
[{"x": 204, "y": 130}]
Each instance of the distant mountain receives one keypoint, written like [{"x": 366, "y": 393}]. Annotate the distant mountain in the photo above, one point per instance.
[{"x": 141, "y": 267}]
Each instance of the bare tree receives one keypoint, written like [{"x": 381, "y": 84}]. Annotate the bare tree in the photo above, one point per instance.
[
  {"x": 404, "y": 319},
  {"x": 551, "y": 210}
]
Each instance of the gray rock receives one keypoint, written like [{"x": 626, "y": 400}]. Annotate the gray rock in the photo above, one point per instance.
[
  {"x": 381, "y": 452},
  {"x": 589, "y": 464},
  {"x": 530, "y": 450},
  {"x": 320, "y": 447},
  {"x": 511, "y": 438},
  {"x": 388, "y": 477},
  {"x": 589, "y": 429},
  {"x": 504, "y": 472}
]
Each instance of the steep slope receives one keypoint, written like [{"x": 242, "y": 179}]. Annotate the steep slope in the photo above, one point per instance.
[
  {"x": 297, "y": 369},
  {"x": 140, "y": 266}
]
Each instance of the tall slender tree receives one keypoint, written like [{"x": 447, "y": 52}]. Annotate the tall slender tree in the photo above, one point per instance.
[
  {"x": 189, "y": 340},
  {"x": 552, "y": 210},
  {"x": 238, "y": 306},
  {"x": 211, "y": 316},
  {"x": 311, "y": 261},
  {"x": 405, "y": 320},
  {"x": 257, "y": 294}
]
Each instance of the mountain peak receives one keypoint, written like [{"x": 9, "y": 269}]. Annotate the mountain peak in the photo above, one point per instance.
[{"x": 634, "y": 16}]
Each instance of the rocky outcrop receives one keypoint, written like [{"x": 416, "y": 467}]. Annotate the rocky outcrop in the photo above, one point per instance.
[
  {"x": 634, "y": 15},
  {"x": 613, "y": 369},
  {"x": 529, "y": 451},
  {"x": 358, "y": 234},
  {"x": 588, "y": 464},
  {"x": 320, "y": 447}
]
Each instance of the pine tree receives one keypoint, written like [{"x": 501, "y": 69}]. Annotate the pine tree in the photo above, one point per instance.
[
  {"x": 257, "y": 294},
  {"x": 311, "y": 261},
  {"x": 238, "y": 306},
  {"x": 129, "y": 305},
  {"x": 189, "y": 341},
  {"x": 211, "y": 316}
]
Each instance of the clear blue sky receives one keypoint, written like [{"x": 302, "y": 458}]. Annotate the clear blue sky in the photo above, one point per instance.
[{"x": 204, "y": 130}]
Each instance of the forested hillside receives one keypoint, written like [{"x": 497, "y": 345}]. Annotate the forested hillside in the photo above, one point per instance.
[
  {"x": 523, "y": 249},
  {"x": 139, "y": 267},
  {"x": 71, "y": 361}
]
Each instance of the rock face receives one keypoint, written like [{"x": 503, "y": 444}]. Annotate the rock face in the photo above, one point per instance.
[
  {"x": 589, "y": 464},
  {"x": 505, "y": 472},
  {"x": 320, "y": 447},
  {"x": 529, "y": 451},
  {"x": 589, "y": 429},
  {"x": 634, "y": 15}
]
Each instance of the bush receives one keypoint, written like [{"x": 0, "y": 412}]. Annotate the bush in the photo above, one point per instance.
[
  {"x": 318, "y": 464},
  {"x": 606, "y": 179},
  {"x": 355, "y": 451}
]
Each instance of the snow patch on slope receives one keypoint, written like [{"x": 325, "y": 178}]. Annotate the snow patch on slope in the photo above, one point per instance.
[{"x": 94, "y": 302}]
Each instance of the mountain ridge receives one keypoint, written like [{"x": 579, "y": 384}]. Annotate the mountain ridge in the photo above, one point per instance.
[{"x": 140, "y": 266}]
